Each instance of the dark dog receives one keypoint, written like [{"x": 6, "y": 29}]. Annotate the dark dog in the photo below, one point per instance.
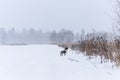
[{"x": 63, "y": 52}]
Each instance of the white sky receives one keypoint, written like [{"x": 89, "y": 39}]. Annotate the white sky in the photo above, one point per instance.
[{"x": 56, "y": 14}]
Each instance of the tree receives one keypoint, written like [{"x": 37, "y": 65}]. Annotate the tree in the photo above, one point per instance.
[
  {"x": 117, "y": 19},
  {"x": 61, "y": 36},
  {"x": 53, "y": 37},
  {"x": 3, "y": 35},
  {"x": 65, "y": 36},
  {"x": 82, "y": 36},
  {"x": 12, "y": 36},
  {"x": 69, "y": 36}
]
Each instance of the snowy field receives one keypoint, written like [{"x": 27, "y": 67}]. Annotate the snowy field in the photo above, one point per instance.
[{"x": 43, "y": 62}]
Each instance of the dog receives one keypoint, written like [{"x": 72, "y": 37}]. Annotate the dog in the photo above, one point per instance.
[{"x": 63, "y": 52}]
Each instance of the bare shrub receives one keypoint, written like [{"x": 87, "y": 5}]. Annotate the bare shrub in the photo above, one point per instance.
[{"x": 98, "y": 45}]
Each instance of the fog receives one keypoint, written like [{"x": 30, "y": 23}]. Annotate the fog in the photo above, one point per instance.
[{"x": 51, "y": 15}]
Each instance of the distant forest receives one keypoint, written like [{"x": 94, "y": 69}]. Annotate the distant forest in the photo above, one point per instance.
[{"x": 32, "y": 36}]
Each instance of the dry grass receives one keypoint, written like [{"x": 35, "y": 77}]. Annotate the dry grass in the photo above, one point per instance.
[{"x": 98, "y": 46}]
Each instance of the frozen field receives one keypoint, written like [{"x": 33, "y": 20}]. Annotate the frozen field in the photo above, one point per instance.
[{"x": 43, "y": 62}]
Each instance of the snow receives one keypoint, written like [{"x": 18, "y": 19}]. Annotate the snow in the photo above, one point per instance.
[{"x": 43, "y": 62}]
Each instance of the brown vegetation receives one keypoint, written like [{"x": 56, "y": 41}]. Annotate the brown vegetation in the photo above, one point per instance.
[{"x": 108, "y": 50}]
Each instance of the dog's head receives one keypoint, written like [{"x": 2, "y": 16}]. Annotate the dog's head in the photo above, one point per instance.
[{"x": 66, "y": 48}]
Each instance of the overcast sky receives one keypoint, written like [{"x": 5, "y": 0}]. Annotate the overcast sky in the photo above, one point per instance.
[{"x": 56, "y": 14}]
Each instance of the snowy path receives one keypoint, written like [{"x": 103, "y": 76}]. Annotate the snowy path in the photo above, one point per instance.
[{"x": 43, "y": 62}]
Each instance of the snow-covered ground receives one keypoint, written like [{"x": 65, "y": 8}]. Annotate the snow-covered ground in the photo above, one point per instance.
[{"x": 43, "y": 62}]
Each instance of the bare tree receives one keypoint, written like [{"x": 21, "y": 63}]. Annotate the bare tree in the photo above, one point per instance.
[
  {"x": 116, "y": 26},
  {"x": 3, "y": 35}
]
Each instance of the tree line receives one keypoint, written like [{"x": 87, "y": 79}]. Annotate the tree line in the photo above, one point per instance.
[{"x": 32, "y": 36}]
